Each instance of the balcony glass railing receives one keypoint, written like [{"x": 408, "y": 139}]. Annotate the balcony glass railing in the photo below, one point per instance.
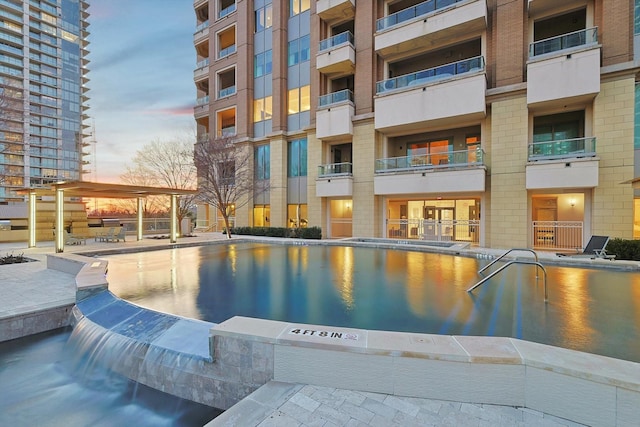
[
  {"x": 227, "y": 10},
  {"x": 565, "y": 41},
  {"x": 333, "y": 169},
  {"x": 202, "y": 27},
  {"x": 335, "y": 97},
  {"x": 563, "y": 148},
  {"x": 432, "y": 74},
  {"x": 337, "y": 40},
  {"x": 202, "y": 64},
  {"x": 419, "y": 10},
  {"x": 440, "y": 160},
  {"x": 202, "y": 101},
  {"x": 228, "y": 131},
  {"x": 226, "y": 51},
  {"x": 227, "y": 91}
]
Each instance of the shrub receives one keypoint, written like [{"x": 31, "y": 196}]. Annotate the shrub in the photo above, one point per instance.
[
  {"x": 624, "y": 249},
  {"x": 303, "y": 233}
]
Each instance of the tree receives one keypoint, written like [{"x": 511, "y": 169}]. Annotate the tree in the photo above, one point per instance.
[
  {"x": 225, "y": 175},
  {"x": 10, "y": 109},
  {"x": 166, "y": 164}
]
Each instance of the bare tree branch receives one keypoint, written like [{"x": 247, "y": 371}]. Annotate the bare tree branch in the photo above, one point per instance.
[
  {"x": 166, "y": 164},
  {"x": 225, "y": 175}
]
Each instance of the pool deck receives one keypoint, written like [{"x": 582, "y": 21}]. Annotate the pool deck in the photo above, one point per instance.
[{"x": 29, "y": 290}]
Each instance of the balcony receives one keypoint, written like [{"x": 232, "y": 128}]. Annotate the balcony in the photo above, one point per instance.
[
  {"x": 562, "y": 149},
  {"x": 227, "y": 11},
  {"x": 202, "y": 33},
  {"x": 564, "y": 69},
  {"x": 334, "y": 114},
  {"x": 227, "y": 51},
  {"x": 573, "y": 173},
  {"x": 334, "y": 10},
  {"x": 429, "y": 25},
  {"x": 567, "y": 163},
  {"x": 407, "y": 102},
  {"x": 202, "y": 70},
  {"x": 454, "y": 172},
  {"x": 334, "y": 180},
  {"x": 227, "y": 91},
  {"x": 202, "y": 107},
  {"x": 336, "y": 55}
]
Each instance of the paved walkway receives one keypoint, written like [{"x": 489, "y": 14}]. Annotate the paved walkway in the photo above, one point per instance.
[{"x": 31, "y": 287}]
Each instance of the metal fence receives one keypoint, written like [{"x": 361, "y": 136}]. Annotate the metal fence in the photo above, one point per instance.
[
  {"x": 557, "y": 234},
  {"x": 457, "y": 230}
]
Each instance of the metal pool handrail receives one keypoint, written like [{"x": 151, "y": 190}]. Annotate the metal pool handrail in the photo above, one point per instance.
[{"x": 493, "y": 273}]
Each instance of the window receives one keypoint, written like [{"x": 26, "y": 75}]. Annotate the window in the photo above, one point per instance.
[
  {"x": 262, "y": 109},
  {"x": 262, "y": 159},
  {"x": 297, "y": 153},
  {"x": 262, "y": 64},
  {"x": 430, "y": 152},
  {"x": 263, "y": 18},
  {"x": 299, "y": 50},
  {"x": 297, "y": 216},
  {"x": 299, "y": 99},
  {"x": 299, "y": 6}
]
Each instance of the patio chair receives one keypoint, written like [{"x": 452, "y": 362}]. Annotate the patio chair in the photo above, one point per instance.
[
  {"x": 596, "y": 248},
  {"x": 115, "y": 237},
  {"x": 70, "y": 239},
  {"x": 106, "y": 235}
]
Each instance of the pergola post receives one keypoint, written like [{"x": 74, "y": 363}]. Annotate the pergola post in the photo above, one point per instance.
[
  {"x": 59, "y": 220},
  {"x": 32, "y": 219},
  {"x": 173, "y": 231},
  {"x": 140, "y": 215}
]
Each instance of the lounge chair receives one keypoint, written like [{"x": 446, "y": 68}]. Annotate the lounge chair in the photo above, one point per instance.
[
  {"x": 106, "y": 236},
  {"x": 596, "y": 248}
]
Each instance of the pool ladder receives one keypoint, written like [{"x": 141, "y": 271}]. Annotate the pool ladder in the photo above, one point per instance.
[{"x": 515, "y": 261}]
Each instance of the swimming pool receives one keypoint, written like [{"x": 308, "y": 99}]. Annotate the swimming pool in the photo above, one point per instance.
[{"x": 590, "y": 310}]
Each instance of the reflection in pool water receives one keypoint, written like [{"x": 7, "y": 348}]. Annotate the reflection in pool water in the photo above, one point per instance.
[{"x": 589, "y": 310}]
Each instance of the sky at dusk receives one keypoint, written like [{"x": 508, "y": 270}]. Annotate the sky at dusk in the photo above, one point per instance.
[{"x": 141, "y": 78}]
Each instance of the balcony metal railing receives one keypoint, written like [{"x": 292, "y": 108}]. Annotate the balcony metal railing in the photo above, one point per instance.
[
  {"x": 557, "y": 234},
  {"x": 335, "y": 97},
  {"x": 335, "y": 169},
  {"x": 432, "y": 74},
  {"x": 227, "y": 51},
  {"x": 565, "y": 41},
  {"x": 453, "y": 230},
  {"x": 451, "y": 159},
  {"x": 227, "y": 11},
  {"x": 202, "y": 101},
  {"x": 227, "y": 91},
  {"x": 337, "y": 40},
  {"x": 419, "y": 10},
  {"x": 563, "y": 148}
]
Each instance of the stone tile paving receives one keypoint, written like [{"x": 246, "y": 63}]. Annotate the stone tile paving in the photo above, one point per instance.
[{"x": 313, "y": 406}]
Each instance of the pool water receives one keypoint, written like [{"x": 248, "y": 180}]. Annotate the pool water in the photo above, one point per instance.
[
  {"x": 591, "y": 310},
  {"x": 40, "y": 386}
]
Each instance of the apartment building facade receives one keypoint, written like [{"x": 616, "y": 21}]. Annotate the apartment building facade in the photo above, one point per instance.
[
  {"x": 43, "y": 76},
  {"x": 498, "y": 123}
]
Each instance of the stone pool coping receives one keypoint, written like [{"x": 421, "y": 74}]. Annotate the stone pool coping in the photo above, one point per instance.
[{"x": 247, "y": 353}]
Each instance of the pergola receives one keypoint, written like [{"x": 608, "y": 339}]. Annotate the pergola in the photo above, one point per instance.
[{"x": 98, "y": 190}]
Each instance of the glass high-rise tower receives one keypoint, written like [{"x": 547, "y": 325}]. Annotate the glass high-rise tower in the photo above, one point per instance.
[{"x": 43, "y": 49}]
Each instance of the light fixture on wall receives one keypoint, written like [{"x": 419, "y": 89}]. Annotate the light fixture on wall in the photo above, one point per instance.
[{"x": 572, "y": 201}]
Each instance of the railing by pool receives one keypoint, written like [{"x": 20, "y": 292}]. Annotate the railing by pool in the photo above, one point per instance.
[
  {"x": 335, "y": 97},
  {"x": 432, "y": 74},
  {"x": 337, "y": 40},
  {"x": 454, "y": 230},
  {"x": 450, "y": 159},
  {"x": 335, "y": 169},
  {"x": 419, "y": 10},
  {"x": 565, "y": 41},
  {"x": 557, "y": 235},
  {"x": 563, "y": 148}
]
